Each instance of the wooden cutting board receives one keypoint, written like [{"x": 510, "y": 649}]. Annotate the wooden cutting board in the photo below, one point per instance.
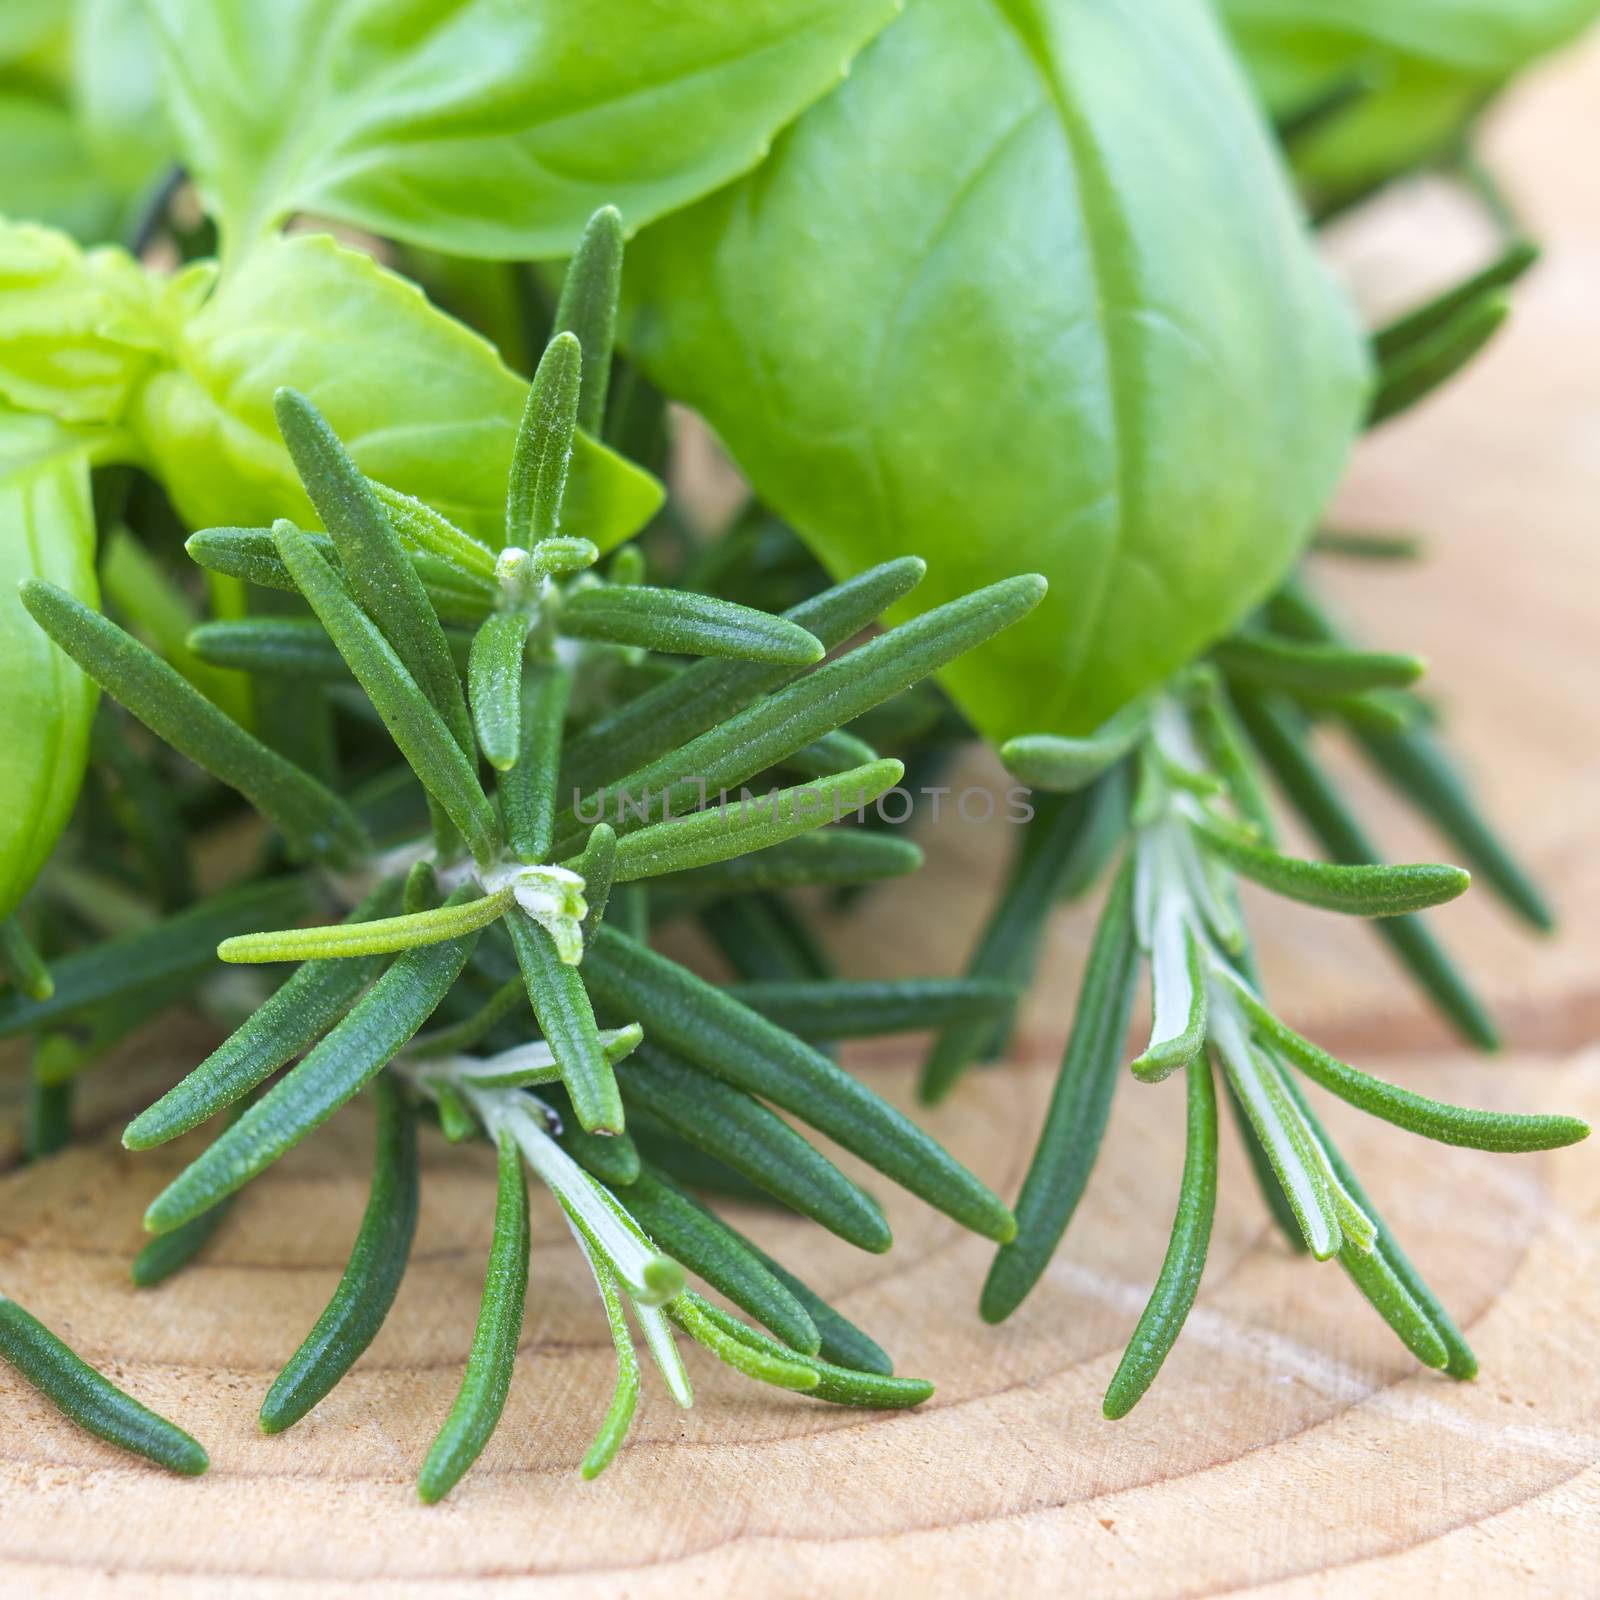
[{"x": 1290, "y": 1446}]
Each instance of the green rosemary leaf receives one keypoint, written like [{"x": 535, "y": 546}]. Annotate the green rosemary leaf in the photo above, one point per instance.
[
  {"x": 540, "y": 457},
  {"x": 21, "y": 965},
  {"x": 1079, "y": 1106},
  {"x": 371, "y": 1278},
  {"x": 588, "y": 309},
  {"x": 1412, "y": 760},
  {"x": 382, "y": 936},
  {"x": 1387, "y": 1279},
  {"x": 648, "y": 1276},
  {"x": 96, "y": 1405},
  {"x": 1405, "y": 332},
  {"x": 180, "y": 946},
  {"x": 292, "y": 646},
  {"x": 1383, "y": 711},
  {"x": 534, "y": 1063},
  {"x": 729, "y": 1124},
  {"x": 833, "y": 752},
  {"x": 690, "y": 1166},
  {"x": 1313, "y": 668},
  {"x": 1289, "y": 1143},
  {"x": 282, "y": 1028},
  {"x": 1369, "y": 890},
  {"x": 712, "y": 1029},
  {"x": 1278, "y": 735},
  {"x": 1422, "y": 366},
  {"x": 739, "y": 827},
  {"x": 1368, "y": 546},
  {"x": 625, "y": 1398},
  {"x": 1414, "y": 763},
  {"x": 840, "y": 1385},
  {"x": 1051, "y": 761},
  {"x": 149, "y": 811},
  {"x": 1384, "y": 1289},
  {"x": 171, "y": 1252},
  {"x": 1324, "y": 106},
  {"x": 347, "y": 1059},
  {"x": 613, "y": 1158},
  {"x": 494, "y": 685},
  {"x": 663, "y": 1348},
  {"x": 431, "y": 533},
  {"x": 421, "y": 892},
  {"x": 689, "y": 1311},
  {"x": 456, "y": 1121},
  {"x": 830, "y": 856},
  {"x": 373, "y": 563},
  {"x": 314, "y": 820},
  {"x": 248, "y": 554},
  {"x": 597, "y": 866},
  {"x": 710, "y": 691},
  {"x": 833, "y": 694},
  {"x": 459, "y": 1037},
  {"x": 49, "y": 1120},
  {"x": 415, "y": 725},
  {"x": 251, "y": 555},
  {"x": 1179, "y": 1280},
  {"x": 1433, "y": 1119},
  {"x": 560, "y": 556},
  {"x": 681, "y": 623},
  {"x": 487, "y": 1380},
  {"x": 1050, "y": 852},
  {"x": 528, "y": 790},
  {"x": 1272, "y": 1194},
  {"x": 834, "y": 1008},
  {"x": 1177, "y": 981},
  {"x": 708, "y": 1247},
  {"x": 764, "y": 939},
  {"x": 843, "y": 1343},
  {"x": 561, "y": 1004},
  {"x": 135, "y": 587}
]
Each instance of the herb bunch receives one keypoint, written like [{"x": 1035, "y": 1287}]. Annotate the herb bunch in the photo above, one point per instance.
[{"x": 517, "y": 902}]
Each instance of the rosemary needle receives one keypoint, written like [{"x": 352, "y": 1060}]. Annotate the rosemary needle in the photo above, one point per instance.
[
  {"x": 487, "y": 1381},
  {"x": 371, "y": 1279},
  {"x": 90, "y": 1400}
]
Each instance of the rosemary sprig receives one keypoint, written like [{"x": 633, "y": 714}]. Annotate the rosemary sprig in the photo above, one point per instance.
[
  {"x": 510, "y": 915},
  {"x": 1173, "y": 904}
]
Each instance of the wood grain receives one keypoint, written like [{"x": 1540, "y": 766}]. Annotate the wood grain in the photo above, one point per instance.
[{"x": 1290, "y": 1447}]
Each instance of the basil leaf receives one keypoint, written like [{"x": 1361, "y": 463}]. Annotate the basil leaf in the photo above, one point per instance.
[
  {"x": 307, "y": 313},
  {"x": 46, "y": 531},
  {"x": 487, "y": 129},
  {"x": 1057, "y": 312},
  {"x": 1423, "y": 67}
]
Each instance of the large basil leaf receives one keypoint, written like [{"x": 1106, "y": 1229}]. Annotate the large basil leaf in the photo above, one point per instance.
[
  {"x": 421, "y": 401},
  {"x": 1430, "y": 64},
  {"x": 488, "y": 128},
  {"x": 1027, "y": 292},
  {"x": 46, "y": 531}
]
